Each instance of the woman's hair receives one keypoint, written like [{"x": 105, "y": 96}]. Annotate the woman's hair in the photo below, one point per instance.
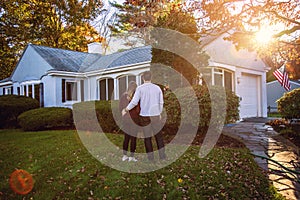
[{"x": 131, "y": 88}]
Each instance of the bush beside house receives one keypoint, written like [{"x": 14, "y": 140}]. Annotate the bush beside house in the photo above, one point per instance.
[
  {"x": 46, "y": 118},
  {"x": 91, "y": 115},
  {"x": 11, "y": 106},
  {"x": 187, "y": 98},
  {"x": 289, "y": 104}
]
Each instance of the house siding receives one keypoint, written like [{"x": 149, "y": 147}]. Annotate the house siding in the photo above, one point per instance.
[
  {"x": 275, "y": 91},
  {"x": 30, "y": 60}
]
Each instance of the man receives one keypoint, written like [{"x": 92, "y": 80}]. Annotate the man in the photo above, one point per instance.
[{"x": 151, "y": 102}]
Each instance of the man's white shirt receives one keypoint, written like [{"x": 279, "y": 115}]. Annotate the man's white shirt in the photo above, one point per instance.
[{"x": 150, "y": 98}]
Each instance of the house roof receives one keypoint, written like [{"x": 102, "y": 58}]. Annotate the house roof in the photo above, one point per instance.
[
  {"x": 119, "y": 59},
  {"x": 5, "y": 80},
  {"x": 74, "y": 61},
  {"x": 65, "y": 60}
]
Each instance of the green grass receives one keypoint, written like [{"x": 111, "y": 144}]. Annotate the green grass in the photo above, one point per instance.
[
  {"x": 274, "y": 114},
  {"x": 63, "y": 169}
]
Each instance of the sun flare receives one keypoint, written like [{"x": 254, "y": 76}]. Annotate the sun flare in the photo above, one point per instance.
[{"x": 264, "y": 35}]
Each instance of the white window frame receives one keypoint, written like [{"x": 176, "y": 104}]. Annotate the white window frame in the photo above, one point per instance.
[
  {"x": 77, "y": 92},
  {"x": 106, "y": 87},
  {"x": 221, "y": 71},
  {"x": 126, "y": 81}
]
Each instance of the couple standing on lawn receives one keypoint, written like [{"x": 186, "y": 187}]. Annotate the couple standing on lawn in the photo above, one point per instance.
[{"x": 142, "y": 106}]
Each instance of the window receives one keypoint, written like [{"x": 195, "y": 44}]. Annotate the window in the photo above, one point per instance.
[
  {"x": 37, "y": 92},
  {"x": 25, "y": 90},
  {"x": 30, "y": 91},
  {"x": 106, "y": 87},
  {"x": 19, "y": 90},
  {"x": 228, "y": 80},
  {"x": 218, "y": 76},
  {"x": 7, "y": 90},
  {"x": 206, "y": 75},
  {"x": 71, "y": 91},
  {"x": 123, "y": 83}
]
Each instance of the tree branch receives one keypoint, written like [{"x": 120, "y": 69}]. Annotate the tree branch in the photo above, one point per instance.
[
  {"x": 287, "y": 32},
  {"x": 282, "y": 17}
]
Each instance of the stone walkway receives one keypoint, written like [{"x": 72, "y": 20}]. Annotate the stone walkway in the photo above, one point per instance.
[{"x": 263, "y": 141}]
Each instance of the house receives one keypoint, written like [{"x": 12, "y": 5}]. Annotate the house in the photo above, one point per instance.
[
  {"x": 275, "y": 91},
  {"x": 58, "y": 77},
  {"x": 241, "y": 71}
]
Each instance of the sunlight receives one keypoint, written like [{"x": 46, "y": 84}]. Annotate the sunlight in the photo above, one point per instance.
[{"x": 264, "y": 35}]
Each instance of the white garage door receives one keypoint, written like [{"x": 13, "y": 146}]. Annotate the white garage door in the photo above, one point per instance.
[{"x": 249, "y": 96}]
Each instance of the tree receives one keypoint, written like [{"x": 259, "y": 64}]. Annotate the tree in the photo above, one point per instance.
[
  {"x": 137, "y": 15},
  {"x": 60, "y": 24},
  {"x": 269, "y": 27}
]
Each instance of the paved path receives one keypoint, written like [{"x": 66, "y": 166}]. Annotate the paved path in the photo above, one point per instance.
[{"x": 263, "y": 141}]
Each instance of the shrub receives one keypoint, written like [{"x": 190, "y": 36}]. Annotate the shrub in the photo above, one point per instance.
[
  {"x": 105, "y": 112},
  {"x": 174, "y": 111},
  {"x": 289, "y": 104},
  {"x": 46, "y": 118},
  {"x": 11, "y": 106}
]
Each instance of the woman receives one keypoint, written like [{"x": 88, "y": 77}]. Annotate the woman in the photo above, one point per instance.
[{"x": 130, "y": 122}]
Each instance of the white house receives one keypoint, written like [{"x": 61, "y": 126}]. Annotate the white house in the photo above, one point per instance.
[
  {"x": 241, "y": 71},
  {"x": 58, "y": 77},
  {"x": 275, "y": 91}
]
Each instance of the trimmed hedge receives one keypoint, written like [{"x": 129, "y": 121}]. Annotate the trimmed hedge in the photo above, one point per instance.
[
  {"x": 46, "y": 118},
  {"x": 91, "y": 115},
  {"x": 174, "y": 111},
  {"x": 11, "y": 106},
  {"x": 289, "y": 104}
]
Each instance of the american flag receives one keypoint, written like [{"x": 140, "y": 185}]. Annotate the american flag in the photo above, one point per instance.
[{"x": 282, "y": 77}]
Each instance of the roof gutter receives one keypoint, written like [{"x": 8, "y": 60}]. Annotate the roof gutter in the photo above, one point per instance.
[
  {"x": 118, "y": 69},
  {"x": 6, "y": 83}
]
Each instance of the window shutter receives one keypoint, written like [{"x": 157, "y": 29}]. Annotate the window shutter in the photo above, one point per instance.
[
  {"x": 63, "y": 88},
  {"x": 82, "y": 89},
  {"x": 41, "y": 94}
]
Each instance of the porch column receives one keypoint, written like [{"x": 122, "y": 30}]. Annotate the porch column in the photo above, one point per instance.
[{"x": 116, "y": 89}]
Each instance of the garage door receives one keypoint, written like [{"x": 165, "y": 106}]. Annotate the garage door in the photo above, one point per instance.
[{"x": 249, "y": 96}]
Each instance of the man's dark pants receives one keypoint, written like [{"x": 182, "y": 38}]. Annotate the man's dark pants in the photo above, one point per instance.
[{"x": 152, "y": 126}]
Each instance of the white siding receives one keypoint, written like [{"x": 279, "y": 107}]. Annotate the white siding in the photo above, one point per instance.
[{"x": 30, "y": 67}]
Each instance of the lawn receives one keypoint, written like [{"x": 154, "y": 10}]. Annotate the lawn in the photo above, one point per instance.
[{"x": 63, "y": 169}]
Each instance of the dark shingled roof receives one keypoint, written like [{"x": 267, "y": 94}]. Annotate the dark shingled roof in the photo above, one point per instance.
[{"x": 74, "y": 61}]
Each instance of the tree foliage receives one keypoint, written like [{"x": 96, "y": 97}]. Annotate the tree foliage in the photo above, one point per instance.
[
  {"x": 135, "y": 16},
  {"x": 247, "y": 18},
  {"x": 61, "y": 24}
]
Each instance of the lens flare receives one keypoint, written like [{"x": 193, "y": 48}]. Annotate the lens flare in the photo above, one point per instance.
[{"x": 21, "y": 182}]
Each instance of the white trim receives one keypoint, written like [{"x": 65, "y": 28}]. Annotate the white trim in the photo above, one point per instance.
[
  {"x": 118, "y": 69},
  {"x": 77, "y": 92},
  {"x": 66, "y": 74},
  {"x": 100, "y": 72},
  {"x": 246, "y": 69},
  {"x": 30, "y": 82},
  {"x": 7, "y": 83},
  {"x": 221, "y": 65}
]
